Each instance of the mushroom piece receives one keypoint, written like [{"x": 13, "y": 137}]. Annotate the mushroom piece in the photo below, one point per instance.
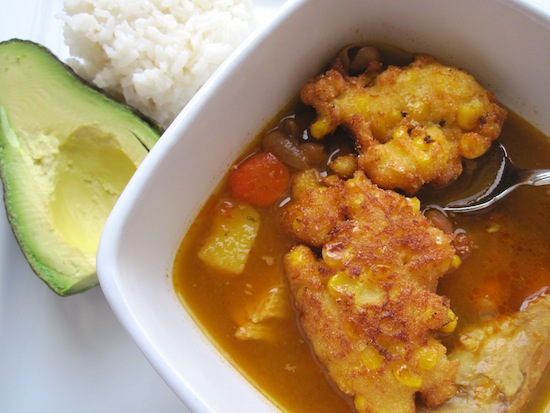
[{"x": 356, "y": 57}]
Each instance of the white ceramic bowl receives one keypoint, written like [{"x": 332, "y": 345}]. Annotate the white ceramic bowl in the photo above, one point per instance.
[{"x": 504, "y": 43}]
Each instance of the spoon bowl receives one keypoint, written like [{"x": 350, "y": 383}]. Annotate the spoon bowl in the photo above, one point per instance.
[{"x": 484, "y": 182}]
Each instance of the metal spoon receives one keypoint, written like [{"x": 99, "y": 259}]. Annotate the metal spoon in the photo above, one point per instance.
[{"x": 484, "y": 182}]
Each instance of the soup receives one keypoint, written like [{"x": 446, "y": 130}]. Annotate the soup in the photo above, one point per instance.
[{"x": 250, "y": 316}]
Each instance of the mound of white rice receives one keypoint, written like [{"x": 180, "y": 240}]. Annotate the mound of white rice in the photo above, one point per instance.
[{"x": 155, "y": 54}]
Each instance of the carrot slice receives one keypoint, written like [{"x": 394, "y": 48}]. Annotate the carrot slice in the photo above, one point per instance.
[{"x": 259, "y": 180}]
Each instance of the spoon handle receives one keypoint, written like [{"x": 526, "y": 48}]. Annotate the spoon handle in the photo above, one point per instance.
[{"x": 537, "y": 177}]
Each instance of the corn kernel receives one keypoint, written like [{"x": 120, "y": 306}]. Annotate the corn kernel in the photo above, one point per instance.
[
  {"x": 360, "y": 403},
  {"x": 393, "y": 117},
  {"x": 362, "y": 106},
  {"x": 414, "y": 202},
  {"x": 451, "y": 325},
  {"x": 356, "y": 199},
  {"x": 379, "y": 129},
  {"x": 423, "y": 159},
  {"x": 320, "y": 128},
  {"x": 297, "y": 256},
  {"x": 400, "y": 133},
  {"x": 344, "y": 166},
  {"x": 467, "y": 116},
  {"x": 455, "y": 262},
  {"x": 363, "y": 292},
  {"x": 427, "y": 357},
  {"x": 339, "y": 284},
  {"x": 371, "y": 358},
  {"x": 418, "y": 109},
  {"x": 405, "y": 375}
]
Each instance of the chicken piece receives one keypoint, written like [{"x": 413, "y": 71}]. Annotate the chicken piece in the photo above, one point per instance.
[
  {"x": 501, "y": 362},
  {"x": 256, "y": 322},
  {"x": 367, "y": 304},
  {"x": 412, "y": 125}
]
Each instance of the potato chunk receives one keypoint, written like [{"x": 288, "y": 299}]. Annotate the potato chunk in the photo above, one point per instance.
[
  {"x": 232, "y": 234},
  {"x": 256, "y": 324}
]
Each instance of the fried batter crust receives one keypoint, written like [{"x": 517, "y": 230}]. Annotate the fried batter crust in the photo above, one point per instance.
[
  {"x": 367, "y": 304},
  {"x": 412, "y": 125}
]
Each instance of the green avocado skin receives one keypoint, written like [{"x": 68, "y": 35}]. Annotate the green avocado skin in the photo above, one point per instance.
[{"x": 67, "y": 150}]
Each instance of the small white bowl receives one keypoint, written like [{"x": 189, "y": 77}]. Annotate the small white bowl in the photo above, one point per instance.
[{"x": 504, "y": 43}]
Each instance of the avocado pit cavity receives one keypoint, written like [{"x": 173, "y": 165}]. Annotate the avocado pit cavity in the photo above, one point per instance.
[{"x": 91, "y": 173}]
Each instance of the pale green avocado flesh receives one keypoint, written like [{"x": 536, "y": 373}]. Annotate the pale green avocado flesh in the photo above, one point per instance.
[{"x": 66, "y": 153}]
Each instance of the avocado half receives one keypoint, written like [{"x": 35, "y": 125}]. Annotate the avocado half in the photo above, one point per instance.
[{"x": 67, "y": 151}]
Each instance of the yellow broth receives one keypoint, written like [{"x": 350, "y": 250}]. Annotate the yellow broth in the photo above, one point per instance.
[
  {"x": 511, "y": 259},
  {"x": 283, "y": 367},
  {"x": 509, "y": 264}
]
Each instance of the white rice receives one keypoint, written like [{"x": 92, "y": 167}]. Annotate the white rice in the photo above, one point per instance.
[{"x": 155, "y": 54}]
